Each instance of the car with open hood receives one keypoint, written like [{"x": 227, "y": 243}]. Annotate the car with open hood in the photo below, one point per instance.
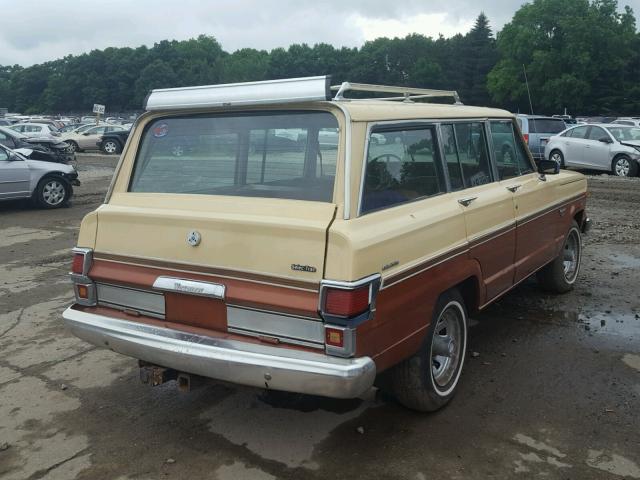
[
  {"x": 317, "y": 243},
  {"x": 46, "y": 184},
  {"x": 606, "y": 147}
]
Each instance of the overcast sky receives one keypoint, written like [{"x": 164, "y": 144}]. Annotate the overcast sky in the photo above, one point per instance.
[{"x": 34, "y": 31}]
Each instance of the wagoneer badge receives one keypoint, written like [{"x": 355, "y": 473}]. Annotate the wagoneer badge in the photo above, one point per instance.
[
  {"x": 193, "y": 238},
  {"x": 303, "y": 268}
]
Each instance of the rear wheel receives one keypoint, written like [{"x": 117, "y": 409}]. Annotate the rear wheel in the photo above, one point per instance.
[
  {"x": 52, "y": 192},
  {"x": 428, "y": 380},
  {"x": 556, "y": 156},
  {"x": 623, "y": 166},
  {"x": 560, "y": 275},
  {"x": 73, "y": 146},
  {"x": 111, "y": 147}
]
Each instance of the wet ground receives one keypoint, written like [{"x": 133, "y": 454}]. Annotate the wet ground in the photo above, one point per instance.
[{"x": 552, "y": 389}]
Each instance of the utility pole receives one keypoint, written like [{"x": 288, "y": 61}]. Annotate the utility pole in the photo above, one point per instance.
[{"x": 528, "y": 91}]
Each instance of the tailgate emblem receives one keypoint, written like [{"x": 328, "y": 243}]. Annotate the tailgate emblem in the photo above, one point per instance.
[{"x": 193, "y": 238}]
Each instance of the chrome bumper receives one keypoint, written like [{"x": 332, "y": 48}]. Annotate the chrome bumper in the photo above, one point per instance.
[{"x": 228, "y": 360}]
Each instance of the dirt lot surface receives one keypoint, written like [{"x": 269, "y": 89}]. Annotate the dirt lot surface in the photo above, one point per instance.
[{"x": 552, "y": 389}]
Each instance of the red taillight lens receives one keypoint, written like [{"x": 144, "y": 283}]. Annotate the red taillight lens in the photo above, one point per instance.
[
  {"x": 526, "y": 138},
  {"x": 78, "y": 263},
  {"x": 346, "y": 303}
]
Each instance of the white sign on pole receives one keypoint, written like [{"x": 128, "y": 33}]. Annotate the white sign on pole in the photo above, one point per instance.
[{"x": 97, "y": 108}]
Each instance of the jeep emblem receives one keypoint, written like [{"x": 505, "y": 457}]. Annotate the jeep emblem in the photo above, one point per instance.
[{"x": 193, "y": 238}]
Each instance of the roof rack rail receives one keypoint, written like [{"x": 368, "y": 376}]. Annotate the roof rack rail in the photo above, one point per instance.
[{"x": 406, "y": 94}]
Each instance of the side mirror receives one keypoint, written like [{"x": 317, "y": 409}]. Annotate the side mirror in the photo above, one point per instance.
[
  {"x": 605, "y": 140},
  {"x": 548, "y": 167}
]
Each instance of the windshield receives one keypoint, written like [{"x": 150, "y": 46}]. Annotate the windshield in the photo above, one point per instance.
[
  {"x": 622, "y": 134},
  {"x": 267, "y": 154}
]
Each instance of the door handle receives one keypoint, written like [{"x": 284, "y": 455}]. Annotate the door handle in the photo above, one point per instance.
[
  {"x": 513, "y": 188},
  {"x": 465, "y": 202}
]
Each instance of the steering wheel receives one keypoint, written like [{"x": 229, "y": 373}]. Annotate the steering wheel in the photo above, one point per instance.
[{"x": 381, "y": 174}]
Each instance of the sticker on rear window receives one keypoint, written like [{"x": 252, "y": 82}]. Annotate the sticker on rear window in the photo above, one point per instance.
[{"x": 161, "y": 130}]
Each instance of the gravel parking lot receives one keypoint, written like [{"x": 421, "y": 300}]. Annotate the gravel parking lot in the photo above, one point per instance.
[{"x": 551, "y": 388}]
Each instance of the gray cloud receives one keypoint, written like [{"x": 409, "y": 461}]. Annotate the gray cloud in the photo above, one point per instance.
[{"x": 34, "y": 31}]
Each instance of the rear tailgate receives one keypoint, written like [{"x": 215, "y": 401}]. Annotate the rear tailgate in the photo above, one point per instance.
[{"x": 266, "y": 255}]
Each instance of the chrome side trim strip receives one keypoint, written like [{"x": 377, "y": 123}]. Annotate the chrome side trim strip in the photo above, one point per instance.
[
  {"x": 190, "y": 287},
  {"x": 233, "y": 361}
]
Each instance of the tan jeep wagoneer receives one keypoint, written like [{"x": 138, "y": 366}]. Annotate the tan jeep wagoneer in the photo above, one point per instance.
[{"x": 312, "y": 244}]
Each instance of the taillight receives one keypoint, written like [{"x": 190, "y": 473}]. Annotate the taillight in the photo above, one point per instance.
[
  {"x": 83, "y": 286},
  {"x": 346, "y": 303},
  {"x": 526, "y": 138},
  {"x": 78, "y": 263},
  {"x": 343, "y": 306}
]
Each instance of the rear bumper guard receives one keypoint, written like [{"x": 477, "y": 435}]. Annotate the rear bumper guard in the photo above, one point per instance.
[{"x": 227, "y": 360}]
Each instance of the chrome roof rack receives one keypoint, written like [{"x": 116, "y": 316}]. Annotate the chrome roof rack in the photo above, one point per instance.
[{"x": 406, "y": 94}]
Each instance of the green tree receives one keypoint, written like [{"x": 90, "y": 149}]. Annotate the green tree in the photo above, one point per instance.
[{"x": 576, "y": 55}]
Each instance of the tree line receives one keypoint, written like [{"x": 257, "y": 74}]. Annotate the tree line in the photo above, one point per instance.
[{"x": 577, "y": 54}]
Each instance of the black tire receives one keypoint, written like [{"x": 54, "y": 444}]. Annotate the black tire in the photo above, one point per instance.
[
  {"x": 623, "y": 166},
  {"x": 558, "y": 276},
  {"x": 559, "y": 157},
  {"x": 413, "y": 382},
  {"x": 73, "y": 146},
  {"x": 52, "y": 192},
  {"x": 111, "y": 147}
]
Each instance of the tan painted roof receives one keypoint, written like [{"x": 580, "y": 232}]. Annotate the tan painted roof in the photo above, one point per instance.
[{"x": 375, "y": 110}]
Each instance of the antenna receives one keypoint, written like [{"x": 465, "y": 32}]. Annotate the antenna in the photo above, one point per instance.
[{"x": 528, "y": 91}]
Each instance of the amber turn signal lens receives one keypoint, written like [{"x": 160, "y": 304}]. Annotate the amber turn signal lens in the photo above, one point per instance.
[
  {"x": 78, "y": 263},
  {"x": 346, "y": 303},
  {"x": 83, "y": 291},
  {"x": 334, "y": 337}
]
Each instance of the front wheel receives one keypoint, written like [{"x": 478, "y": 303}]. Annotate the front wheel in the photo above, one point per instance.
[
  {"x": 623, "y": 166},
  {"x": 560, "y": 275},
  {"x": 556, "y": 156},
  {"x": 73, "y": 147},
  {"x": 427, "y": 381},
  {"x": 52, "y": 192}
]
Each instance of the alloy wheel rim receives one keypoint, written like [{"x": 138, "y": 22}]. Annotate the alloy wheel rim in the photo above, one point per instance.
[
  {"x": 571, "y": 256},
  {"x": 446, "y": 347},
  {"x": 178, "y": 150},
  {"x": 110, "y": 147},
  {"x": 556, "y": 158},
  {"x": 622, "y": 167},
  {"x": 53, "y": 193}
]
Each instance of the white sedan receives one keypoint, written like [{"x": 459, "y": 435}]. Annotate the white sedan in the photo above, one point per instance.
[{"x": 89, "y": 138}]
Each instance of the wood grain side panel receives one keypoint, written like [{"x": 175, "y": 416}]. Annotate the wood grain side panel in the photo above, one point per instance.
[
  {"x": 238, "y": 292},
  {"x": 404, "y": 311},
  {"x": 496, "y": 257}
]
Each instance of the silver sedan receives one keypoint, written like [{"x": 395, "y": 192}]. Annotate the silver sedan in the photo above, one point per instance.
[{"x": 607, "y": 147}]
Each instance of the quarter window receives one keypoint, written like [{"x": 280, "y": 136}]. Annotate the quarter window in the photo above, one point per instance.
[{"x": 402, "y": 165}]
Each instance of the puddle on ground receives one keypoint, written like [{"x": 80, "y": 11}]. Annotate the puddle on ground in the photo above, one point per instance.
[
  {"x": 623, "y": 324},
  {"x": 625, "y": 260}
]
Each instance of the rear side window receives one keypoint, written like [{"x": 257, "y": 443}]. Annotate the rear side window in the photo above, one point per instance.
[
  {"x": 578, "y": 132},
  {"x": 511, "y": 157},
  {"x": 402, "y": 165},
  {"x": 288, "y": 155},
  {"x": 473, "y": 154},
  {"x": 547, "y": 125}
]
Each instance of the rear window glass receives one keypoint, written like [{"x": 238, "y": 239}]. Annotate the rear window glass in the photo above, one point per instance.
[
  {"x": 289, "y": 155},
  {"x": 547, "y": 125}
]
